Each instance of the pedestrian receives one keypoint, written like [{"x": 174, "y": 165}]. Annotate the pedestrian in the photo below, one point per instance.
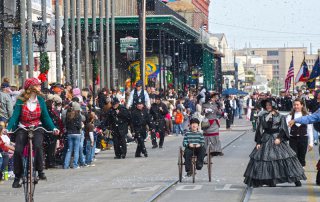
[
  {"x": 310, "y": 119},
  {"x": 240, "y": 107},
  {"x": 212, "y": 113},
  {"x": 272, "y": 161},
  {"x": 30, "y": 110},
  {"x": 138, "y": 95},
  {"x": 229, "y": 111},
  {"x": 118, "y": 120},
  {"x": 73, "y": 129},
  {"x": 252, "y": 112},
  {"x": 301, "y": 137},
  {"x": 158, "y": 113},
  {"x": 54, "y": 103},
  {"x": 313, "y": 105},
  {"x": 6, "y": 107},
  {"x": 140, "y": 119},
  {"x": 178, "y": 118},
  {"x": 89, "y": 138}
]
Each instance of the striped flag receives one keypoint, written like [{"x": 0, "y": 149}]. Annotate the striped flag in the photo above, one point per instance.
[
  {"x": 290, "y": 75},
  {"x": 303, "y": 74}
]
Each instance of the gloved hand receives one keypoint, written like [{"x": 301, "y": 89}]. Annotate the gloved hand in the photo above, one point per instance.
[
  {"x": 225, "y": 115},
  {"x": 208, "y": 110}
]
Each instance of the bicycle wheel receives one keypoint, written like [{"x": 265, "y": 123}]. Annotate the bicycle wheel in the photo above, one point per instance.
[
  {"x": 194, "y": 160},
  {"x": 180, "y": 163},
  {"x": 30, "y": 173},
  {"x": 209, "y": 164},
  {"x": 25, "y": 179}
]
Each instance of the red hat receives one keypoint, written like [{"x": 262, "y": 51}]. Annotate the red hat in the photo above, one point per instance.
[{"x": 31, "y": 82}]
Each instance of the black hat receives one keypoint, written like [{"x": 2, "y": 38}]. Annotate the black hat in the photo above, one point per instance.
[
  {"x": 271, "y": 101},
  {"x": 115, "y": 101},
  {"x": 139, "y": 83},
  {"x": 5, "y": 85},
  {"x": 158, "y": 97},
  {"x": 194, "y": 120},
  {"x": 139, "y": 101}
]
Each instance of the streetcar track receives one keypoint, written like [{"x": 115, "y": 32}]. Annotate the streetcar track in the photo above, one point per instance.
[{"x": 246, "y": 193}]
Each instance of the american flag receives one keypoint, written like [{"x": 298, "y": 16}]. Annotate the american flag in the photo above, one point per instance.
[{"x": 290, "y": 75}]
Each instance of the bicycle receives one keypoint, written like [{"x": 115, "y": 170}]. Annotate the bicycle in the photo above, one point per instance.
[
  {"x": 181, "y": 163},
  {"x": 29, "y": 179}
]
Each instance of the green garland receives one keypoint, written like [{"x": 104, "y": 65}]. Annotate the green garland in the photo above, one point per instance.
[{"x": 44, "y": 63}]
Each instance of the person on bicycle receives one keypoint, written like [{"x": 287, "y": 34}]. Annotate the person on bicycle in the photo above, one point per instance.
[
  {"x": 30, "y": 110},
  {"x": 193, "y": 142}
]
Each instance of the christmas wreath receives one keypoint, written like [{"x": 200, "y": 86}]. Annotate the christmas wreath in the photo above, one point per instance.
[{"x": 44, "y": 67}]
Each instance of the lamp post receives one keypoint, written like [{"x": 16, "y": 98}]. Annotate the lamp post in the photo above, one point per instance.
[
  {"x": 40, "y": 33},
  {"x": 227, "y": 82},
  {"x": 93, "y": 41}
]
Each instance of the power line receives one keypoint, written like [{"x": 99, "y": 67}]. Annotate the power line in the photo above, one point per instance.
[{"x": 264, "y": 30}]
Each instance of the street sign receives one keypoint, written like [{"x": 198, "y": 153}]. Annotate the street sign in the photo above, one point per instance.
[{"x": 129, "y": 42}]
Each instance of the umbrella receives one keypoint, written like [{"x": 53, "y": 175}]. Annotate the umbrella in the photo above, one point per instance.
[
  {"x": 241, "y": 92},
  {"x": 230, "y": 91}
]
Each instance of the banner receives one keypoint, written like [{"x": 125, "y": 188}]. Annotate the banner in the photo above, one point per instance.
[{"x": 134, "y": 68}]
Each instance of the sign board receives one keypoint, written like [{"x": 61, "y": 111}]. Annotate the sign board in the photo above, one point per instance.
[
  {"x": 129, "y": 42},
  {"x": 16, "y": 49}
]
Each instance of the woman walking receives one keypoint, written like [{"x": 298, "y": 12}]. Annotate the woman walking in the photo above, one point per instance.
[
  {"x": 212, "y": 114},
  {"x": 272, "y": 161},
  {"x": 73, "y": 126},
  {"x": 301, "y": 135}
]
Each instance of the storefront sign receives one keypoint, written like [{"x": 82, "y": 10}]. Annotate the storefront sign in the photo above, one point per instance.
[{"x": 129, "y": 42}]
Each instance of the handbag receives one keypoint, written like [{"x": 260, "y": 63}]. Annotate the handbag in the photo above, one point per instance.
[{"x": 205, "y": 124}]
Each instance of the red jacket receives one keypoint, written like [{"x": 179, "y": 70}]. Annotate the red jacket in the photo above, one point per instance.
[{"x": 3, "y": 146}]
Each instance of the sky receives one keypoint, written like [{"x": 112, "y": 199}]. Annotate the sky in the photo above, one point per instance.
[{"x": 267, "y": 23}]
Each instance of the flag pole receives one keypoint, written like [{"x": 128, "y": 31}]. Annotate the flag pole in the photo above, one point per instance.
[{"x": 293, "y": 75}]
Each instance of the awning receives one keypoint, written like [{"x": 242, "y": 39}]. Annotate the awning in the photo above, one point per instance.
[{"x": 167, "y": 23}]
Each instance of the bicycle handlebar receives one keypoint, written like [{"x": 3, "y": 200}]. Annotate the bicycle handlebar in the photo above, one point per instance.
[{"x": 29, "y": 129}]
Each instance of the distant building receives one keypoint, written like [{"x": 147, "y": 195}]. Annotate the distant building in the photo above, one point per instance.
[{"x": 280, "y": 58}]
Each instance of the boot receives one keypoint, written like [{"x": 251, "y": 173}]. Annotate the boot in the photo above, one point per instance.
[
  {"x": 41, "y": 175},
  {"x": 16, "y": 183},
  {"x": 298, "y": 184}
]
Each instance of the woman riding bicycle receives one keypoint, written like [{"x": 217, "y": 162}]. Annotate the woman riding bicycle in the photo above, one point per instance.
[{"x": 30, "y": 110}]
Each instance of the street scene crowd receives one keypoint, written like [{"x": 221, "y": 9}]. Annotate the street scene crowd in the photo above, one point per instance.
[{"x": 83, "y": 126}]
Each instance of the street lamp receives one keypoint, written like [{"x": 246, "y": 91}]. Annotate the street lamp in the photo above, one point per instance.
[
  {"x": 227, "y": 82},
  {"x": 93, "y": 40},
  {"x": 40, "y": 33}
]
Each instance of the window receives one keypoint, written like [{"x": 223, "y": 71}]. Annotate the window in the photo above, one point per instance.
[{"x": 272, "y": 53}]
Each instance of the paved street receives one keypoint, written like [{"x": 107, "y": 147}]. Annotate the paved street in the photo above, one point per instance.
[{"x": 138, "y": 180}]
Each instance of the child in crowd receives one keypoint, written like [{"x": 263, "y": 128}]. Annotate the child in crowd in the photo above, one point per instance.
[
  {"x": 6, "y": 152},
  {"x": 193, "y": 140},
  {"x": 178, "y": 122}
]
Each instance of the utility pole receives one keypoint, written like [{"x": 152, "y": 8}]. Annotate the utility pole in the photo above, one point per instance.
[
  {"x": 108, "y": 44},
  {"x": 23, "y": 39},
  {"x": 102, "y": 72},
  {"x": 44, "y": 20},
  {"x": 142, "y": 36},
  {"x": 2, "y": 38},
  {"x": 86, "y": 34},
  {"x": 236, "y": 72},
  {"x": 66, "y": 39},
  {"x": 79, "y": 69},
  {"x": 113, "y": 41},
  {"x": 58, "y": 37},
  {"x": 30, "y": 41},
  {"x": 73, "y": 43}
]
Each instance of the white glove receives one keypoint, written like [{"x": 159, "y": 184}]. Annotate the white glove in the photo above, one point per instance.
[
  {"x": 208, "y": 110},
  {"x": 225, "y": 115}
]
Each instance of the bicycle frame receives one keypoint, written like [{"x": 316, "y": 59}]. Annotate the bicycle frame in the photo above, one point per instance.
[{"x": 29, "y": 179}]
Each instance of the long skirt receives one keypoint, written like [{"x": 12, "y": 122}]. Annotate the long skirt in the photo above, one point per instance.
[
  {"x": 213, "y": 142},
  {"x": 273, "y": 164}
]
